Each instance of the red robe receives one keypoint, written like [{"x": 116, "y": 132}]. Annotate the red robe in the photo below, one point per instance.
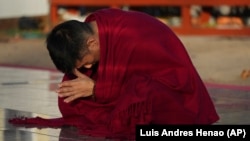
[{"x": 144, "y": 76}]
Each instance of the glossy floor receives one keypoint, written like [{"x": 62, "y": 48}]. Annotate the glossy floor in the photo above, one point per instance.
[{"x": 30, "y": 92}]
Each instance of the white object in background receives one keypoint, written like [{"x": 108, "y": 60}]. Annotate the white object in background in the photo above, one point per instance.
[
  {"x": 18, "y": 8},
  {"x": 224, "y": 10}
]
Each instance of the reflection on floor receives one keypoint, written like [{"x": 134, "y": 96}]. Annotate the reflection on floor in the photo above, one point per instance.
[
  {"x": 30, "y": 92},
  {"x": 232, "y": 103}
]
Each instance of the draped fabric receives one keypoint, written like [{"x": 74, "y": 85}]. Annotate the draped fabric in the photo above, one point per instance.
[{"x": 144, "y": 76}]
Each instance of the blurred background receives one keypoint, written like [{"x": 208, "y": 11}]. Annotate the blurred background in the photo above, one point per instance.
[{"x": 215, "y": 33}]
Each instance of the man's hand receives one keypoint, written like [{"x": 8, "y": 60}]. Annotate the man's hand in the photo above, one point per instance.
[{"x": 82, "y": 86}]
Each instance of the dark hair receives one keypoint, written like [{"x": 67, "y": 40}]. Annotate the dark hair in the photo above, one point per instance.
[{"x": 67, "y": 42}]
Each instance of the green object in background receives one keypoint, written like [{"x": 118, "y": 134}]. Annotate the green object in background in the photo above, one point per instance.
[
  {"x": 26, "y": 34},
  {"x": 31, "y": 34}
]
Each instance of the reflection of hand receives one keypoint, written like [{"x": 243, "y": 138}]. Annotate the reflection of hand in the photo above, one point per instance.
[{"x": 82, "y": 86}]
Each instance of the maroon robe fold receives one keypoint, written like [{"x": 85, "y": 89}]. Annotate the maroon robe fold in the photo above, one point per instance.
[{"x": 144, "y": 76}]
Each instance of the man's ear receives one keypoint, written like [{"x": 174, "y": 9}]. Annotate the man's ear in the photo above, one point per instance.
[{"x": 90, "y": 42}]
